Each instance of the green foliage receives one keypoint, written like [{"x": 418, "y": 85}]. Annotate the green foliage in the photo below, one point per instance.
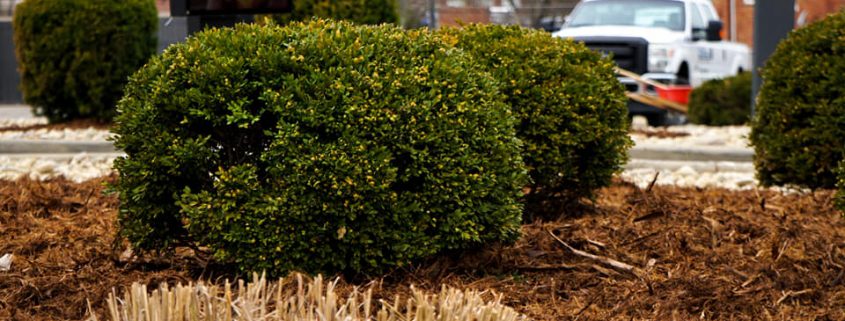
[
  {"x": 840, "y": 185},
  {"x": 75, "y": 55},
  {"x": 357, "y": 11},
  {"x": 722, "y": 102},
  {"x": 320, "y": 146},
  {"x": 800, "y": 121},
  {"x": 571, "y": 107}
]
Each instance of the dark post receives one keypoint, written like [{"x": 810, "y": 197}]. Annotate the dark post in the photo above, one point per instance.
[
  {"x": 178, "y": 8},
  {"x": 432, "y": 14},
  {"x": 773, "y": 19},
  {"x": 201, "y": 14}
]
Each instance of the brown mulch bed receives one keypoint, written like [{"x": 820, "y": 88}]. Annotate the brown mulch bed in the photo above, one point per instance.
[
  {"x": 707, "y": 254},
  {"x": 659, "y": 133},
  {"x": 73, "y": 124}
]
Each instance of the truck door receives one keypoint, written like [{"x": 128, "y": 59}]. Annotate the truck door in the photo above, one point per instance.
[
  {"x": 708, "y": 56},
  {"x": 724, "y": 54}
]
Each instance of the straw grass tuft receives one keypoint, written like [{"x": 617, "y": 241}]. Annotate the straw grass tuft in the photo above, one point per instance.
[{"x": 299, "y": 298}]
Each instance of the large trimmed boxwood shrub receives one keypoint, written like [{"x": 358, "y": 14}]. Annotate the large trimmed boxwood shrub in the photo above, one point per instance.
[
  {"x": 75, "y": 55},
  {"x": 358, "y": 11},
  {"x": 799, "y": 127},
  {"x": 321, "y": 146},
  {"x": 571, "y": 108},
  {"x": 722, "y": 102}
]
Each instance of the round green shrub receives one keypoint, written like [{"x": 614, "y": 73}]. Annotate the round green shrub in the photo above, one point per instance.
[
  {"x": 722, "y": 102},
  {"x": 571, "y": 108},
  {"x": 358, "y": 11},
  {"x": 800, "y": 117},
  {"x": 320, "y": 146},
  {"x": 75, "y": 55}
]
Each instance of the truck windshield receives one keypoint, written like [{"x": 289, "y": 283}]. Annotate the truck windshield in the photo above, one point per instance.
[{"x": 641, "y": 13}]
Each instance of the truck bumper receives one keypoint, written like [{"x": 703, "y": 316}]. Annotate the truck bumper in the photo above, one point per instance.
[{"x": 654, "y": 115}]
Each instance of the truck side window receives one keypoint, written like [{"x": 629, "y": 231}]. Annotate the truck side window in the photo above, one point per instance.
[
  {"x": 699, "y": 26},
  {"x": 707, "y": 13}
]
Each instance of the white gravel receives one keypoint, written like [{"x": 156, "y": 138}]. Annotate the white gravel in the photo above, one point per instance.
[
  {"x": 87, "y": 134},
  {"x": 78, "y": 167},
  {"x": 730, "y": 175},
  {"x": 20, "y": 122}
]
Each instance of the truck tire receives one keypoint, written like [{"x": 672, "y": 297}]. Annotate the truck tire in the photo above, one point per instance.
[
  {"x": 682, "y": 78},
  {"x": 656, "y": 119}
]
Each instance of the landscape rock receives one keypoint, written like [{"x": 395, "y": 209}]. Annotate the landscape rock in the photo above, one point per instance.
[{"x": 6, "y": 262}]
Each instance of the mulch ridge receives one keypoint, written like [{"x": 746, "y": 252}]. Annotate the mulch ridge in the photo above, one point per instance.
[
  {"x": 73, "y": 124},
  {"x": 658, "y": 133},
  {"x": 708, "y": 254}
]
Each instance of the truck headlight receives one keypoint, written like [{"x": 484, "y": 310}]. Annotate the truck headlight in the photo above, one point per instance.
[{"x": 659, "y": 57}]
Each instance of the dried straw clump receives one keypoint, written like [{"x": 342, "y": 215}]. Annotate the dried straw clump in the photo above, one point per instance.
[{"x": 298, "y": 298}]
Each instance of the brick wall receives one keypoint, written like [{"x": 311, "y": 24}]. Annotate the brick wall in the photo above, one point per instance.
[
  {"x": 449, "y": 16},
  {"x": 807, "y": 12},
  {"x": 814, "y": 10},
  {"x": 163, "y": 7},
  {"x": 528, "y": 13}
]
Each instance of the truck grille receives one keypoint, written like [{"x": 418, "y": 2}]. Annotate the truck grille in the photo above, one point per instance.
[{"x": 629, "y": 53}]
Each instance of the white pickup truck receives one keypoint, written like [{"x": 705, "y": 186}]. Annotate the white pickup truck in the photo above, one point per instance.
[{"x": 671, "y": 41}]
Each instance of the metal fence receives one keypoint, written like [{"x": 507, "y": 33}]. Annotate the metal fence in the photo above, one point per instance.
[{"x": 9, "y": 79}]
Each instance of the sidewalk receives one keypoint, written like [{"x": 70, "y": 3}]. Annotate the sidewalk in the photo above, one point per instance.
[{"x": 15, "y": 111}]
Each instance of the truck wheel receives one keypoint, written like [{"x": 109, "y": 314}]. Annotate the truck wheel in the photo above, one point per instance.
[
  {"x": 656, "y": 119},
  {"x": 682, "y": 78}
]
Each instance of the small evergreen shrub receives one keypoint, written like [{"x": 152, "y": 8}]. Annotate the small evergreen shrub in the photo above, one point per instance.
[
  {"x": 320, "y": 146},
  {"x": 722, "y": 102},
  {"x": 75, "y": 55},
  {"x": 840, "y": 184},
  {"x": 800, "y": 117},
  {"x": 571, "y": 108},
  {"x": 358, "y": 11}
]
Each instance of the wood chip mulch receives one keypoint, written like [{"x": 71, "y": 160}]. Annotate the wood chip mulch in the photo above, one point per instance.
[
  {"x": 661, "y": 254},
  {"x": 658, "y": 133}
]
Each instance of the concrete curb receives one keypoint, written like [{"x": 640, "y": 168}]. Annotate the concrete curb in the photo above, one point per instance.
[
  {"x": 698, "y": 166},
  {"x": 54, "y": 147},
  {"x": 687, "y": 153},
  {"x": 16, "y": 111}
]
